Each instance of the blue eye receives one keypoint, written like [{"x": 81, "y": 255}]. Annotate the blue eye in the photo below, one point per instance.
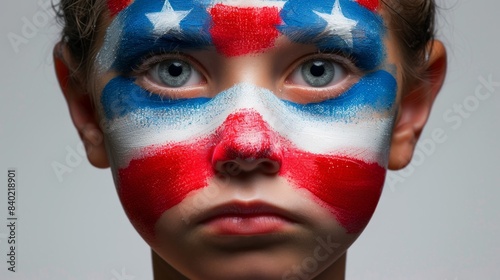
[
  {"x": 318, "y": 73},
  {"x": 175, "y": 73}
]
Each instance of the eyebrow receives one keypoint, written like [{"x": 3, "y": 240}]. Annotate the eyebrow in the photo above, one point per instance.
[
  {"x": 138, "y": 39},
  {"x": 138, "y": 45},
  {"x": 349, "y": 29},
  {"x": 367, "y": 50}
]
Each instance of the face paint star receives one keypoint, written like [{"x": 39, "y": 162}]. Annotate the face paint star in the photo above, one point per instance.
[
  {"x": 167, "y": 20},
  {"x": 338, "y": 24}
]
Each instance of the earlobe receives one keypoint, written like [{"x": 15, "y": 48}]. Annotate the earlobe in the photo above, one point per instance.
[
  {"x": 80, "y": 108},
  {"x": 415, "y": 108}
]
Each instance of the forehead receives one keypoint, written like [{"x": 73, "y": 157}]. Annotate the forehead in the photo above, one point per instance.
[
  {"x": 116, "y": 6},
  {"x": 240, "y": 27}
]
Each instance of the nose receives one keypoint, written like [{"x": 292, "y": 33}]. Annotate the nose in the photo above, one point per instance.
[{"x": 246, "y": 144}]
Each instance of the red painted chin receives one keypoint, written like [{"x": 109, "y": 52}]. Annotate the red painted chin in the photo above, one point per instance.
[{"x": 149, "y": 186}]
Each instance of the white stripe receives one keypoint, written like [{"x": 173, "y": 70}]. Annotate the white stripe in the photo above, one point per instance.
[
  {"x": 107, "y": 54},
  {"x": 365, "y": 138}
]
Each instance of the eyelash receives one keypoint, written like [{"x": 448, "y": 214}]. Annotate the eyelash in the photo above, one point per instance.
[
  {"x": 149, "y": 60},
  {"x": 347, "y": 62}
]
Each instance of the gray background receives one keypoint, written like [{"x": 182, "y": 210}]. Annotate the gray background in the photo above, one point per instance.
[{"x": 441, "y": 220}]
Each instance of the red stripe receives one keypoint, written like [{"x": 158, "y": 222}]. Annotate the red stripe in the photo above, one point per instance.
[
  {"x": 149, "y": 186},
  {"x": 349, "y": 187},
  {"x": 369, "y": 4},
  {"x": 116, "y": 6},
  {"x": 242, "y": 30}
]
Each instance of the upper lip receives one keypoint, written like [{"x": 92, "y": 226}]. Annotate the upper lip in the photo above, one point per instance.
[{"x": 242, "y": 209}]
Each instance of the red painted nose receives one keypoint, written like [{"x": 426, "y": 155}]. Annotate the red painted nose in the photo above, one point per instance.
[{"x": 246, "y": 144}]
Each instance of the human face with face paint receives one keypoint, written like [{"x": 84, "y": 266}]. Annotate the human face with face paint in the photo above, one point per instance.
[{"x": 248, "y": 139}]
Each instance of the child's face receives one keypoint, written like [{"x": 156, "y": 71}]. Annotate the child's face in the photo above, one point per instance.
[{"x": 248, "y": 138}]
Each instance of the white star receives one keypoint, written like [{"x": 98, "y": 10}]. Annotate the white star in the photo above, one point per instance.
[
  {"x": 338, "y": 24},
  {"x": 167, "y": 20}
]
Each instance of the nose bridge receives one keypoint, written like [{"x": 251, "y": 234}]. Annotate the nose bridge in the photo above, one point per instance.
[
  {"x": 252, "y": 69},
  {"x": 246, "y": 143}
]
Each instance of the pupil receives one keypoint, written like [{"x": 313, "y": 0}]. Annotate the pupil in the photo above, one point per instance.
[
  {"x": 317, "y": 69},
  {"x": 175, "y": 69}
]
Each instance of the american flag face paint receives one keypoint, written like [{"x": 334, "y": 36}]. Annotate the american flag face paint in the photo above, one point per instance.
[
  {"x": 236, "y": 27},
  {"x": 163, "y": 149}
]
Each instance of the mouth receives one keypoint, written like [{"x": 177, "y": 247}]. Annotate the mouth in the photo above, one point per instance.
[{"x": 246, "y": 219}]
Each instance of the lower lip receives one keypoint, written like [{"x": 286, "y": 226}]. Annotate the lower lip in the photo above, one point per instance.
[{"x": 246, "y": 225}]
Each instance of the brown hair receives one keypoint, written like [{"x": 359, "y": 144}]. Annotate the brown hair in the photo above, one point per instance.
[
  {"x": 413, "y": 24},
  {"x": 411, "y": 21},
  {"x": 81, "y": 22}
]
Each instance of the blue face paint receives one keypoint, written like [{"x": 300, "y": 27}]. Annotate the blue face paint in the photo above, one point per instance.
[
  {"x": 183, "y": 27},
  {"x": 376, "y": 91},
  {"x": 304, "y": 22},
  {"x": 122, "y": 96}
]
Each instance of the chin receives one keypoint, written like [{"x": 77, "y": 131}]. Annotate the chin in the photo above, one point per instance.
[
  {"x": 286, "y": 261},
  {"x": 296, "y": 238}
]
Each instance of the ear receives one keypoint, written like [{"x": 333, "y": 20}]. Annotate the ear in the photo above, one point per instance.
[
  {"x": 415, "y": 107},
  {"x": 80, "y": 107}
]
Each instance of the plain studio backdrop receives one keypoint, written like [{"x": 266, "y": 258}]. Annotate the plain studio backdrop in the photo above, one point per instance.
[{"x": 437, "y": 219}]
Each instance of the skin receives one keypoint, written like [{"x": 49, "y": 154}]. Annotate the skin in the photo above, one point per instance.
[{"x": 185, "y": 249}]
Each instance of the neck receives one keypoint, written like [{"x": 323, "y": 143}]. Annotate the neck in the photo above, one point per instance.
[{"x": 163, "y": 271}]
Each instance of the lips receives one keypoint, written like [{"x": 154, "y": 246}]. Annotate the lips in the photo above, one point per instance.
[{"x": 243, "y": 218}]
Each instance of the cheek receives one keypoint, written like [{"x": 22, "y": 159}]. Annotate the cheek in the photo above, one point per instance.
[
  {"x": 349, "y": 187},
  {"x": 345, "y": 168},
  {"x": 155, "y": 162},
  {"x": 151, "y": 185}
]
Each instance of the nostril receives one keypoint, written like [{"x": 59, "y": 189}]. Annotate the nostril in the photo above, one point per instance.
[
  {"x": 237, "y": 166},
  {"x": 269, "y": 166},
  {"x": 229, "y": 167}
]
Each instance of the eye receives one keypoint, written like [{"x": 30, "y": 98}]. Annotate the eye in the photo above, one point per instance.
[
  {"x": 318, "y": 73},
  {"x": 174, "y": 73}
]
